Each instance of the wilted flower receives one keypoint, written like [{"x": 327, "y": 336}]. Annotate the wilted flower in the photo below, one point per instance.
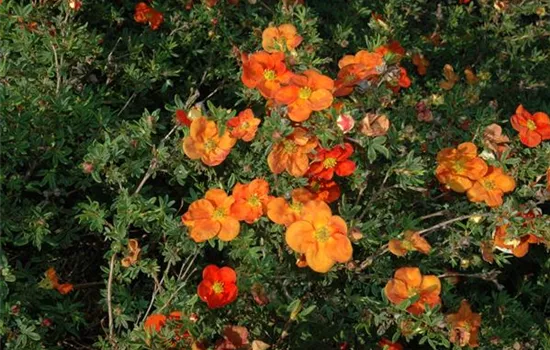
[
  {"x": 374, "y": 125},
  {"x": 345, "y": 122},
  {"x": 464, "y": 326},
  {"x": 494, "y": 140}
]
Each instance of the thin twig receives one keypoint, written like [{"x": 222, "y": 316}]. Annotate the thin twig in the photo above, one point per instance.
[
  {"x": 57, "y": 70},
  {"x": 384, "y": 249},
  {"x": 154, "y": 161},
  {"x": 126, "y": 104},
  {"x": 88, "y": 284},
  {"x": 109, "y": 297},
  {"x": 490, "y": 276},
  {"x": 432, "y": 215}
]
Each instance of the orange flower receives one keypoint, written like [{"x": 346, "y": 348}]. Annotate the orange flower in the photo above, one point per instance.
[
  {"x": 330, "y": 161},
  {"x": 283, "y": 213},
  {"x": 218, "y": 286},
  {"x": 386, "y": 344},
  {"x": 145, "y": 14},
  {"x": 291, "y": 154},
  {"x": 412, "y": 241},
  {"x": 322, "y": 190},
  {"x": 265, "y": 71},
  {"x": 211, "y": 217},
  {"x": 321, "y": 236},
  {"x": 464, "y": 326},
  {"x": 517, "y": 246},
  {"x": 244, "y": 125},
  {"x": 533, "y": 129},
  {"x": 306, "y": 93},
  {"x": 53, "y": 279},
  {"x": 281, "y": 38},
  {"x": 250, "y": 200},
  {"x": 409, "y": 282},
  {"x": 351, "y": 75},
  {"x": 205, "y": 143},
  {"x": 459, "y": 167},
  {"x": 370, "y": 60},
  {"x": 393, "y": 47},
  {"x": 421, "y": 63},
  {"x": 65, "y": 288},
  {"x": 491, "y": 187},
  {"x": 154, "y": 322}
]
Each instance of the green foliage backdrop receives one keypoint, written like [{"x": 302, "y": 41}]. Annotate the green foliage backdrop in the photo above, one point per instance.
[{"x": 91, "y": 156}]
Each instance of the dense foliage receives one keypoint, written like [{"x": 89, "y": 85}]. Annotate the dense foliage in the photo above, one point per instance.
[{"x": 225, "y": 174}]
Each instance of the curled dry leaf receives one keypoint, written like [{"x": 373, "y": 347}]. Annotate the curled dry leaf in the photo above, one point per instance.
[
  {"x": 471, "y": 77},
  {"x": 374, "y": 125},
  {"x": 450, "y": 77},
  {"x": 487, "y": 251},
  {"x": 133, "y": 253},
  {"x": 260, "y": 345},
  {"x": 421, "y": 63},
  {"x": 494, "y": 140}
]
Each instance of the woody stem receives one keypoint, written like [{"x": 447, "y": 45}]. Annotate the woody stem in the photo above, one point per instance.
[
  {"x": 490, "y": 276},
  {"x": 88, "y": 284},
  {"x": 384, "y": 249}
]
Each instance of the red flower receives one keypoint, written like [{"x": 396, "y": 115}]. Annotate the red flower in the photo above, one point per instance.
[
  {"x": 327, "y": 162},
  {"x": 533, "y": 129},
  {"x": 317, "y": 189},
  {"x": 403, "y": 82},
  {"x": 145, "y": 14},
  {"x": 218, "y": 287},
  {"x": 155, "y": 322},
  {"x": 388, "y": 345},
  {"x": 182, "y": 118}
]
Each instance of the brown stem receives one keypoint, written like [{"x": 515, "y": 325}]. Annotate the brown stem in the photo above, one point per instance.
[
  {"x": 109, "y": 297},
  {"x": 384, "y": 249},
  {"x": 490, "y": 276},
  {"x": 88, "y": 284}
]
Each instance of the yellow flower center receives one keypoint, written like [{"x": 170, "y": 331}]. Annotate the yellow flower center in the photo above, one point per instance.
[
  {"x": 488, "y": 185},
  {"x": 459, "y": 167},
  {"x": 289, "y": 146},
  {"x": 219, "y": 213},
  {"x": 329, "y": 163},
  {"x": 514, "y": 242},
  {"x": 531, "y": 125},
  {"x": 218, "y": 287},
  {"x": 304, "y": 93},
  {"x": 269, "y": 74},
  {"x": 210, "y": 145},
  {"x": 349, "y": 78},
  {"x": 245, "y": 125},
  {"x": 322, "y": 234},
  {"x": 296, "y": 207},
  {"x": 413, "y": 292},
  {"x": 254, "y": 201},
  {"x": 407, "y": 245}
]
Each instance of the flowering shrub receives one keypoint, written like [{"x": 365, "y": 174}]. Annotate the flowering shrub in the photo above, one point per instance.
[{"x": 274, "y": 174}]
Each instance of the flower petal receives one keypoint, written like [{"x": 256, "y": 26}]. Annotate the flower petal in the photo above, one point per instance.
[{"x": 299, "y": 236}]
